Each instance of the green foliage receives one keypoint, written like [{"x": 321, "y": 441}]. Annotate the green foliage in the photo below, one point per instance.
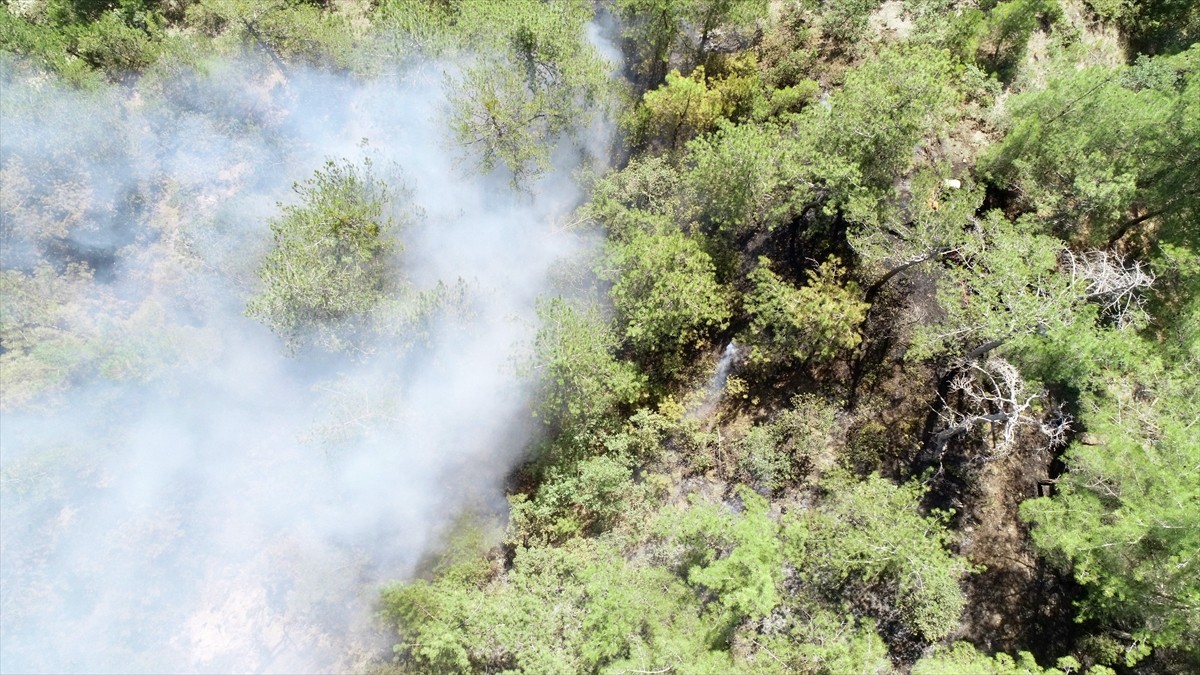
[
  {"x": 813, "y": 323},
  {"x": 428, "y": 616},
  {"x": 961, "y": 657},
  {"x": 1103, "y": 649},
  {"x": 120, "y": 38},
  {"x": 746, "y": 580},
  {"x": 749, "y": 177},
  {"x": 539, "y": 79},
  {"x": 1090, "y": 151},
  {"x": 785, "y": 102},
  {"x": 583, "y": 386},
  {"x": 661, "y": 28},
  {"x": 795, "y": 444},
  {"x": 1175, "y": 304},
  {"x": 946, "y": 24},
  {"x": 888, "y": 105},
  {"x": 572, "y": 500},
  {"x": 786, "y": 52},
  {"x": 935, "y": 220},
  {"x": 842, "y": 22},
  {"x": 288, "y": 30},
  {"x": 655, "y": 27},
  {"x": 740, "y": 177},
  {"x": 666, "y": 293},
  {"x": 827, "y": 642},
  {"x": 113, "y": 46},
  {"x": 56, "y": 47},
  {"x": 739, "y": 80},
  {"x": 736, "y": 556},
  {"x": 646, "y": 197},
  {"x": 420, "y": 29},
  {"x": 329, "y": 265},
  {"x": 682, "y": 108},
  {"x": 578, "y": 607},
  {"x": 586, "y": 485},
  {"x": 775, "y": 125},
  {"x": 1152, "y": 26},
  {"x": 869, "y": 533},
  {"x": 1006, "y": 32},
  {"x": 1125, "y": 515},
  {"x": 1004, "y": 283},
  {"x": 873, "y": 532},
  {"x": 495, "y": 114},
  {"x": 641, "y": 440},
  {"x": 712, "y": 577}
]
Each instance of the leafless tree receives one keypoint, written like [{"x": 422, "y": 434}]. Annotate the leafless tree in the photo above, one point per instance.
[
  {"x": 995, "y": 394},
  {"x": 1106, "y": 280}
]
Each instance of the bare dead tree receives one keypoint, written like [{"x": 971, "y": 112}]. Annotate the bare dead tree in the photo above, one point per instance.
[
  {"x": 995, "y": 394},
  {"x": 1107, "y": 280}
]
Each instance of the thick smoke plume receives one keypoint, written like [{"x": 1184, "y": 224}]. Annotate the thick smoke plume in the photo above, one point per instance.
[{"x": 183, "y": 495}]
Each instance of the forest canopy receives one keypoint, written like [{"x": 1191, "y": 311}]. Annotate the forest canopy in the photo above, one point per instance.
[{"x": 875, "y": 347}]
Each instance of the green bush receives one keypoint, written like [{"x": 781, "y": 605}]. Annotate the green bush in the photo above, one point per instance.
[
  {"x": 329, "y": 266},
  {"x": 794, "y": 445},
  {"x": 666, "y": 294},
  {"x": 806, "y": 325}
]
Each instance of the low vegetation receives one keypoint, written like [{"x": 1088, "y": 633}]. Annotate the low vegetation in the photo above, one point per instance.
[{"x": 894, "y": 332}]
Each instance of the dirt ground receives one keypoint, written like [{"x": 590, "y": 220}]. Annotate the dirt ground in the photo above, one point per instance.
[{"x": 1017, "y": 603}]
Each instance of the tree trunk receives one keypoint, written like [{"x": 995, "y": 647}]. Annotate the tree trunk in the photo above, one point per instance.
[
  {"x": 266, "y": 46},
  {"x": 982, "y": 349},
  {"x": 1130, "y": 224},
  {"x": 878, "y": 285}
]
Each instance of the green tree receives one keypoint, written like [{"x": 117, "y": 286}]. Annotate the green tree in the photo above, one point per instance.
[
  {"x": 112, "y": 45},
  {"x": 666, "y": 293},
  {"x": 587, "y": 497},
  {"x": 962, "y": 657},
  {"x": 937, "y": 219},
  {"x": 746, "y": 581},
  {"x": 1152, "y": 26},
  {"x": 743, "y": 178},
  {"x": 1004, "y": 34},
  {"x": 1004, "y": 282},
  {"x": 494, "y": 114},
  {"x": 660, "y": 28},
  {"x": 873, "y": 532},
  {"x": 794, "y": 445},
  {"x": 843, "y": 23},
  {"x": 288, "y": 31},
  {"x": 1098, "y": 152},
  {"x": 329, "y": 265},
  {"x": 1126, "y": 516},
  {"x": 680, "y": 109},
  {"x": 869, "y": 536},
  {"x": 80, "y": 41},
  {"x": 888, "y": 105},
  {"x": 584, "y": 387},
  {"x": 813, "y": 323},
  {"x": 539, "y": 78},
  {"x": 824, "y": 641},
  {"x": 580, "y": 607},
  {"x": 647, "y": 197}
]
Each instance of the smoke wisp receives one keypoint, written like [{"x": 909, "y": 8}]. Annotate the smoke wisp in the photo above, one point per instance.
[{"x": 178, "y": 493}]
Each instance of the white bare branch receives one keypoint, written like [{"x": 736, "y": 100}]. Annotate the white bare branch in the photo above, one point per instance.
[
  {"x": 995, "y": 394},
  {"x": 1119, "y": 289}
]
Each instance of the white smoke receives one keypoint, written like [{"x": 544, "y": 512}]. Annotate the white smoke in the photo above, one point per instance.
[{"x": 188, "y": 497}]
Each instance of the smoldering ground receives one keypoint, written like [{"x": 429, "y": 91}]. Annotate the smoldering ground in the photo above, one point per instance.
[{"x": 179, "y": 494}]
